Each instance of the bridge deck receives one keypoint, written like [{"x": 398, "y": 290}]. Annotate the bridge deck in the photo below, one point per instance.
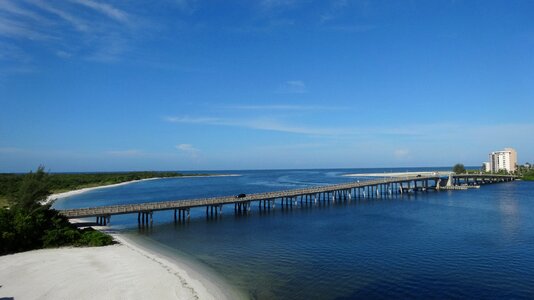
[{"x": 184, "y": 204}]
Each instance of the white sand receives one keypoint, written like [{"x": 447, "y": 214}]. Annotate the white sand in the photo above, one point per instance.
[
  {"x": 398, "y": 174},
  {"x": 54, "y": 197},
  {"x": 122, "y": 271}
]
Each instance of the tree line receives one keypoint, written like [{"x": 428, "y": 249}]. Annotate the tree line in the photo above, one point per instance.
[{"x": 61, "y": 182}]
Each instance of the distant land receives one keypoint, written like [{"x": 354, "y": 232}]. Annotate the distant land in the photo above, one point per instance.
[{"x": 64, "y": 182}]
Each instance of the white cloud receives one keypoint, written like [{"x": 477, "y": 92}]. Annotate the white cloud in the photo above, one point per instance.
[
  {"x": 293, "y": 87},
  {"x": 401, "y": 153},
  {"x": 188, "y": 149}
]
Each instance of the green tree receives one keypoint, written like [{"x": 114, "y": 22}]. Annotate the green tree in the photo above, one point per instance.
[
  {"x": 33, "y": 189},
  {"x": 458, "y": 169}
]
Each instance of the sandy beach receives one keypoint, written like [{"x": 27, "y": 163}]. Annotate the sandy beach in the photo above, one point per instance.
[
  {"x": 126, "y": 270},
  {"x": 54, "y": 197},
  {"x": 123, "y": 271}
]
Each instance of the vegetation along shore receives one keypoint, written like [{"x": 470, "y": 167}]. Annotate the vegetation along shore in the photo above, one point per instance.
[{"x": 64, "y": 182}]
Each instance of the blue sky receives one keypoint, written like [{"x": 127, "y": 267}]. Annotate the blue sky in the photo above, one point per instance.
[{"x": 191, "y": 85}]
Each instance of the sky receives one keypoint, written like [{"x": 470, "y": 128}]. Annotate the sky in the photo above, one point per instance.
[{"x": 93, "y": 85}]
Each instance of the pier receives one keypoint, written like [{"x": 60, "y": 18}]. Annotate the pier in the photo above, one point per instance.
[{"x": 374, "y": 188}]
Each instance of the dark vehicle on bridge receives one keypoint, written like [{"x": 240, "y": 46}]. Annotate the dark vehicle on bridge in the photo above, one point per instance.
[{"x": 241, "y": 196}]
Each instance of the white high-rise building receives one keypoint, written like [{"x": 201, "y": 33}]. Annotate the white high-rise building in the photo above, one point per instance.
[{"x": 503, "y": 160}]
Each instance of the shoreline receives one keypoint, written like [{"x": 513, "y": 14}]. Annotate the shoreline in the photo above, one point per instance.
[
  {"x": 214, "y": 283},
  {"x": 50, "y": 199},
  {"x": 127, "y": 270}
]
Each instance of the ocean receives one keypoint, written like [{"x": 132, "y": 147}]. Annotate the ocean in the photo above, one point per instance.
[{"x": 428, "y": 245}]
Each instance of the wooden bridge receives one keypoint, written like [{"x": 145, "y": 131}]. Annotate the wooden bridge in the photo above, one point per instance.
[{"x": 344, "y": 191}]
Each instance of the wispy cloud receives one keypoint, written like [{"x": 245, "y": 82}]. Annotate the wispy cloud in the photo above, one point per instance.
[
  {"x": 106, "y": 9},
  {"x": 11, "y": 150},
  {"x": 63, "y": 54},
  {"x": 292, "y": 87},
  {"x": 125, "y": 153},
  {"x": 79, "y": 24},
  {"x": 268, "y": 124},
  {"x": 89, "y": 29},
  {"x": 277, "y": 4},
  {"x": 351, "y": 28},
  {"x": 286, "y": 107},
  {"x": 197, "y": 120},
  {"x": 15, "y": 9},
  {"x": 336, "y": 8},
  {"x": 412, "y": 134},
  {"x": 188, "y": 149},
  {"x": 15, "y": 29},
  {"x": 401, "y": 153},
  {"x": 187, "y": 6}
]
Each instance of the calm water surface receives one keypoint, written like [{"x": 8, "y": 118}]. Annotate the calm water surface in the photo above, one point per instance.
[{"x": 456, "y": 244}]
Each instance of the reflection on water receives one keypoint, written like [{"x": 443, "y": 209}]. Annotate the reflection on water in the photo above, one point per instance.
[
  {"x": 510, "y": 214},
  {"x": 454, "y": 244}
]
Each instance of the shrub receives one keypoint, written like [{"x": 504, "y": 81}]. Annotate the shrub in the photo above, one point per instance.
[
  {"x": 58, "y": 237},
  {"x": 28, "y": 225},
  {"x": 93, "y": 238}
]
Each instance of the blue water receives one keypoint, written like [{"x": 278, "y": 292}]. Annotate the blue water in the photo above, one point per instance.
[{"x": 455, "y": 244}]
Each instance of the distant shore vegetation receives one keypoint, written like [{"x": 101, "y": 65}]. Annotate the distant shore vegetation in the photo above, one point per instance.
[
  {"x": 459, "y": 168},
  {"x": 26, "y": 224},
  {"x": 63, "y": 182},
  {"x": 529, "y": 175},
  {"x": 523, "y": 172}
]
